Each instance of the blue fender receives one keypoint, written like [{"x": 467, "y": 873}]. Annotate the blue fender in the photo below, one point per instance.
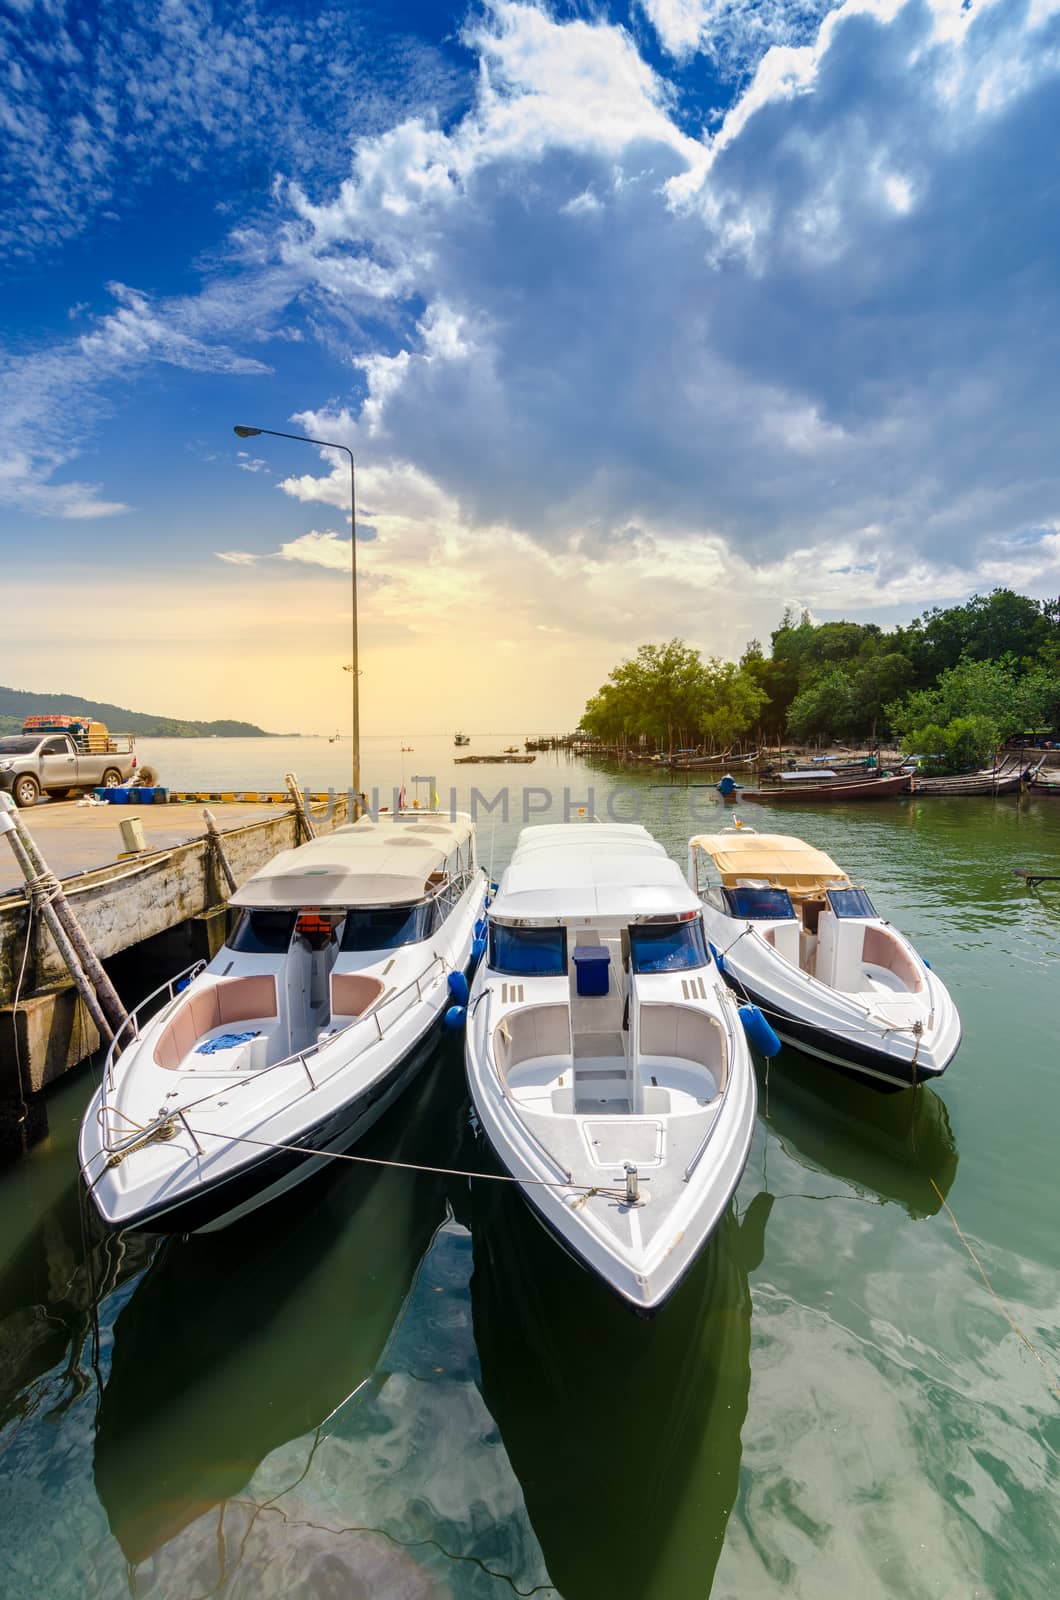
[
  {"x": 759, "y": 1034},
  {"x": 458, "y": 988},
  {"x": 717, "y": 957},
  {"x": 454, "y": 1019},
  {"x": 478, "y": 950}
]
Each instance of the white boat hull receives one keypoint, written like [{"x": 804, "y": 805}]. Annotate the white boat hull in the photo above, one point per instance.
[
  {"x": 889, "y": 1041},
  {"x": 571, "y": 1169},
  {"x": 236, "y": 1141}
]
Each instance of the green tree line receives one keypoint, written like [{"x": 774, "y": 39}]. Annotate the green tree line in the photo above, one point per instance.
[{"x": 952, "y": 684}]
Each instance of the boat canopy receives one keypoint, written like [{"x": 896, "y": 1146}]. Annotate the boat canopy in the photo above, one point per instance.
[
  {"x": 388, "y": 862},
  {"x": 775, "y": 858},
  {"x": 568, "y": 872}
]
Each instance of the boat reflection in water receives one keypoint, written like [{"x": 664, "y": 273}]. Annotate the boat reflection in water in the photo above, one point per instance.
[
  {"x": 624, "y": 1434},
  {"x": 50, "y": 1290},
  {"x": 237, "y": 1342},
  {"x": 887, "y": 1147}
]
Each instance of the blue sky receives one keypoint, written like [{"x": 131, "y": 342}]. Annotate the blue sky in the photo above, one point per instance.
[{"x": 641, "y": 320}]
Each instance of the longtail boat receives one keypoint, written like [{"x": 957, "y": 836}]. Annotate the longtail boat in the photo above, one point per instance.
[{"x": 863, "y": 789}]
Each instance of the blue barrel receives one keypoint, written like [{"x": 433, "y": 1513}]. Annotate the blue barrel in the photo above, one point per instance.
[
  {"x": 760, "y": 1035},
  {"x": 727, "y": 784}
]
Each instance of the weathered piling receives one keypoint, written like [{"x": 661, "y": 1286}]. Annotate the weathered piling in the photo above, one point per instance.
[
  {"x": 43, "y": 893},
  {"x": 217, "y": 845}
]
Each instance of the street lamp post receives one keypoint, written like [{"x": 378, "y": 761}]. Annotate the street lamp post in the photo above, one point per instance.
[{"x": 354, "y": 668}]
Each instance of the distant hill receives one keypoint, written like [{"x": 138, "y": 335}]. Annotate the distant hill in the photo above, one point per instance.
[{"x": 15, "y": 704}]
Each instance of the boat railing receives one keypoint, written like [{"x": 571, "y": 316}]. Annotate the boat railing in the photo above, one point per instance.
[
  {"x": 173, "y": 987},
  {"x": 370, "y": 1023}
]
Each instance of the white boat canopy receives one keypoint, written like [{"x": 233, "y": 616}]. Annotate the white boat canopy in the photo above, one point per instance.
[
  {"x": 777, "y": 858},
  {"x": 388, "y": 862},
  {"x": 575, "y": 871}
]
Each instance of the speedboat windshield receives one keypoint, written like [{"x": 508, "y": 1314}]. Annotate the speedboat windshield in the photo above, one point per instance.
[
  {"x": 850, "y": 903},
  {"x": 528, "y": 952},
  {"x": 263, "y": 933},
  {"x": 758, "y": 904},
  {"x": 667, "y": 946},
  {"x": 387, "y": 927}
]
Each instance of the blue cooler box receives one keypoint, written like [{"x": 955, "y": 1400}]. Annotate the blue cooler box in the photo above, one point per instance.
[{"x": 591, "y": 964}]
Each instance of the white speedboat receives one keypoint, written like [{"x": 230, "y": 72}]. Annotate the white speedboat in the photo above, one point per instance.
[
  {"x": 800, "y": 940},
  {"x": 318, "y": 1010},
  {"x": 606, "y": 1058}
]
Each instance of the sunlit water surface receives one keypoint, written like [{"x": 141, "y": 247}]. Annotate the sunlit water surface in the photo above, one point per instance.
[{"x": 396, "y": 1385}]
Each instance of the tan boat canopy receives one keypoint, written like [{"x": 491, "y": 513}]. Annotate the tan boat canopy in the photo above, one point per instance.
[
  {"x": 392, "y": 861},
  {"x": 775, "y": 858}
]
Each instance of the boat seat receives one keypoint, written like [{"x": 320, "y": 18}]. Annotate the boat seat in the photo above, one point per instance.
[
  {"x": 655, "y": 1102},
  {"x": 228, "y": 1000},
  {"x": 881, "y": 950},
  {"x": 353, "y": 992},
  {"x": 563, "y": 1102}
]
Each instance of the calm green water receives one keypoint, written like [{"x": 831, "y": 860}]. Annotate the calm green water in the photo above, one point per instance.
[{"x": 398, "y": 1386}]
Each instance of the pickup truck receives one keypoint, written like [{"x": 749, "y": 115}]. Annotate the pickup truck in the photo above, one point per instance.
[{"x": 32, "y": 764}]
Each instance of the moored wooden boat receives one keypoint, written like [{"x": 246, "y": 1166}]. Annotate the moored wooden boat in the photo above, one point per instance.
[
  {"x": 971, "y": 783},
  {"x": 860, "y": 789}
]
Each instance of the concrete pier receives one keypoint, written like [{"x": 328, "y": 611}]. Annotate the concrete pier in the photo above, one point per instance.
[{"x": 166, "y": 904}]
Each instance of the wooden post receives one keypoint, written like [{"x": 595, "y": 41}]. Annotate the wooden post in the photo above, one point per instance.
[
  {"x": 217, "y": 846},
  {"x": 305, "y": 826},
  {"x": 109, "y": 997},
  {"x": 63, "y": 944}
]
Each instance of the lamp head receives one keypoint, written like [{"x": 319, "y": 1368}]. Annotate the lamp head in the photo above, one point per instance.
[{"x": 246, "y": 433}]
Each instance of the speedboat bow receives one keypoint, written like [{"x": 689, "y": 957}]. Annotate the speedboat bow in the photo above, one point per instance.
[{"x": 605, "y": 1056}]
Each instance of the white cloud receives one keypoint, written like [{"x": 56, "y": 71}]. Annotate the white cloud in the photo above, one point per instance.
[
  {"x": 315, "y": 549},
  {"x": 734, "y": 33},
  {"x": 577, "y": 330},
  {"x": 236, "y": 558}
]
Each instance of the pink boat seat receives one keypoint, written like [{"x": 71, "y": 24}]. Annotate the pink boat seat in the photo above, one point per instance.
[
  {"x": 226, "y": 1001},
  {"x": 352, "y": 993},
  {"x": 880, "y": 950}
]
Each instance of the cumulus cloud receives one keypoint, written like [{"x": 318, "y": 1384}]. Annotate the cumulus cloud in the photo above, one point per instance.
[
  {"x": 825, "y": 319},
  {"x": 735, "y": 34},
  {"x": 812, "y": 348}
]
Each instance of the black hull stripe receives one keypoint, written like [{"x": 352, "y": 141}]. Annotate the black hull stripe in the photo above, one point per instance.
[{"x": 856, "y": 1060}]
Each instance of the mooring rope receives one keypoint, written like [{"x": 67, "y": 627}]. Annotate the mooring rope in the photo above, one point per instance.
[
  {"x": 165, "y": 1130},
  {"x": 409, "y": 1166},
  {"x": 42, "y": 889},
  {"x": 1009, "y": 1318}
]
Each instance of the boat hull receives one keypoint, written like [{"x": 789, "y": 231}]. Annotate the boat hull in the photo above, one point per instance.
[
  {"x": 277, "y": 1171},
  {"x": 642, "y": 1309},
  {"x": 644, "y": 1284},
  {"x": 852, "y": 1058},
  {"x": 866, "y": 789}
]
